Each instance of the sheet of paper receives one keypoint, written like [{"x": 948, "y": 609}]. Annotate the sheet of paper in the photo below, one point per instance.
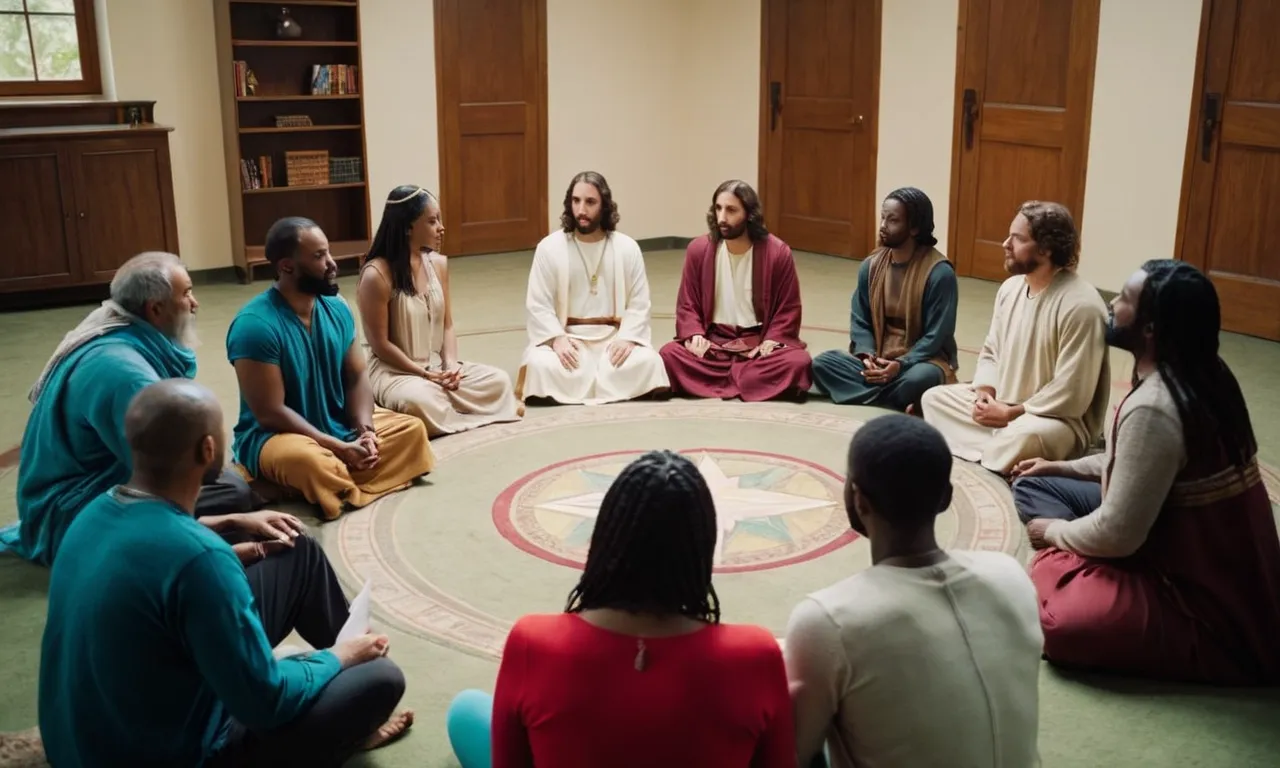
[{"x": 358, "y": 617}]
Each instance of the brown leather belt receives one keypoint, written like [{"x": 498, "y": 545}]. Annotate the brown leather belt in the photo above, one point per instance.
[{"x": 613, "y": 321}]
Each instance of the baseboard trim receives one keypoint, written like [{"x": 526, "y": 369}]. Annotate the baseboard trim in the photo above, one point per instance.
[
  {"x": 214, "y": 276},
  {"x": 668, "y": 243}
]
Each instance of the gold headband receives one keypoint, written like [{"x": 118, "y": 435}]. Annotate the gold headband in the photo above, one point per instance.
[{"x": 417, "y": 191}]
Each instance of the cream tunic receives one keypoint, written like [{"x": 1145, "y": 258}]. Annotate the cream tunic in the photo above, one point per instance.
[
  {"x": 416, "y": 325},
  {"x": 1047, "y": 353},
  {"x": 560, "y": 289},
  {"x": 733, "y": 289}
]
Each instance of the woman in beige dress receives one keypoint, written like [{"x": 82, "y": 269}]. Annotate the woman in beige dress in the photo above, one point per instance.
[{"x": 408, "y": 326}]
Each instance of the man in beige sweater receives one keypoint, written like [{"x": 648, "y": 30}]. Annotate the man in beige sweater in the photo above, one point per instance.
[
  {"x": 1160, "y": 557},
  {"x": 1042, "y": 381},
  {"x": 928, "y": 657}
]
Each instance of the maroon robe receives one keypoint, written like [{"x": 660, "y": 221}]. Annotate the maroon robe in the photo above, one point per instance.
[
  {"x": 1199, "y": 601},
  {"x": 726, "y": 371}
]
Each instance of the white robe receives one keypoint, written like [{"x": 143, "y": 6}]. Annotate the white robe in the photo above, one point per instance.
[{"x": 559, "y": 288}]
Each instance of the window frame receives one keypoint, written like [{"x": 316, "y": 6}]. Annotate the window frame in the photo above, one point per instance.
[{"x": 90, "y": 82}]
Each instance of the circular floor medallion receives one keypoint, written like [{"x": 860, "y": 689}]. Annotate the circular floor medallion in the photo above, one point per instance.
[
  {"x": 772, "y": 510},
  {"x": 794, "y": 450}
]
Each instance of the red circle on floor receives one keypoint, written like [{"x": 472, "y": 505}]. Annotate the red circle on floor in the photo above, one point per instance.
[{"x": 772, "y": 510}]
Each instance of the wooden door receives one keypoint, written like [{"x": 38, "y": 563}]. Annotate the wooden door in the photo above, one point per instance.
[
  {"x": 1231, "y": 180},
  {"x": 1024, "y": 90},
  {"x": 123, "y": 188},
  {"x": 820, "y": 91},
  {"x": 36, "y": 216},
  {"x": 491, "y": 88}
]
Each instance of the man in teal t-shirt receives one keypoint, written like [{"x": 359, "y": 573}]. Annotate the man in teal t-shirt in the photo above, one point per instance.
[
  {"x": 307, "y": 417},
  {"x": 73, "y": 448},
  {"x": 158, "y": 644}
]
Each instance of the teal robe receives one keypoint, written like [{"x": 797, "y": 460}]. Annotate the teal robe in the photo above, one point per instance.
[
  {"x": 152, "y": 643},
  {"x": 74, "y": 448},
  {"x": 267, "y": 330},
  {"x": 839, "y": 374}
]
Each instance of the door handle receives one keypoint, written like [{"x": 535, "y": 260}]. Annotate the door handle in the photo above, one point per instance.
[
  {"x": 775, "y": 104},
  {"x": 969, "y": 116},
  {"x": 1210, "y": 116}
]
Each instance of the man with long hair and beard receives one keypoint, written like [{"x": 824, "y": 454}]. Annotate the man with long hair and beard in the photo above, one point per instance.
[
  {"x": 587, "y": 308},
  {"x": 73, "y": 448},
  {"x": 738, "y": 311},
  {"x": 1159, "y": 558},
  {"x": 1043, "y": 377},
  {"x": 902, "y": 317},
  {"x": 307, "y": 416}
]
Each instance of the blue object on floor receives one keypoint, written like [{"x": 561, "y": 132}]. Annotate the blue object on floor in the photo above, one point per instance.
[{"x": 469, "y": 722}]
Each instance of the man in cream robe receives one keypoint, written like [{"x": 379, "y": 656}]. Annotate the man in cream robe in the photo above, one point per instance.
[
  {"x": 591, "y": 291},
  {"x": 1042, "y": 382}
]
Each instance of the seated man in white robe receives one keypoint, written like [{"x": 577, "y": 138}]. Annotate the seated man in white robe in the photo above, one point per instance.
[
  {"x": 588, "y": 308},
  {"x": 1043, "y": 377}
]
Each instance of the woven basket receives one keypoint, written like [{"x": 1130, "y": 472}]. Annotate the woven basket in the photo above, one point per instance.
[
  {"x": 345, "y": 170},
  {"x": 307, "y": 169}
]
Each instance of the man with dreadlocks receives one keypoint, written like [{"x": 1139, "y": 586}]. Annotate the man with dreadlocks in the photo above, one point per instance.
[
  {"x": 1160, "y": 557},
  {"x": 1043, "y": 377},
  {"x": 638, "y": 671},
  {"x": 738, "y": 311},
  {"x": 902, "y": 317}
]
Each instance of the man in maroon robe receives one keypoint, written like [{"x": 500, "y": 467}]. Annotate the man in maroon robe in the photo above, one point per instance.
[
  {"x": 738, "y": 313},
  {"x": 1160, "y": 557}
]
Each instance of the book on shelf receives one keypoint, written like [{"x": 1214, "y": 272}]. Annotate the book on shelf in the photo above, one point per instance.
[
  {"x": 334, "y": 79},
  {"x": 256, "y": 175}
]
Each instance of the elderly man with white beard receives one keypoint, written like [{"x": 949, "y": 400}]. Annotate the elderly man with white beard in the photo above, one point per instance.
[{"x": 74, "y": 446}]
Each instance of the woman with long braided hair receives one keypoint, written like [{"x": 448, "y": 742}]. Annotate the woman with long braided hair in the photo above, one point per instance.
[
  {"x": 1160, "y": 557},
  {"x": 638, "y": 670}
]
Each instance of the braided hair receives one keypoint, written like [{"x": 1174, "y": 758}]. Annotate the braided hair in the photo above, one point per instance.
[
  {"x": 1181, "y": 305},
  {"x": 919, "y": 213},
  {"x": 653, "y": 544}
]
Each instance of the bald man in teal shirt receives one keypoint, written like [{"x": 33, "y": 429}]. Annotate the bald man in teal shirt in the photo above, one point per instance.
[{"x": 158, "y": 645}]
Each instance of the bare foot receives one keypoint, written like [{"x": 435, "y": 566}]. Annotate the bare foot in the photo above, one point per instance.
[{"x": 390, "y": 730}]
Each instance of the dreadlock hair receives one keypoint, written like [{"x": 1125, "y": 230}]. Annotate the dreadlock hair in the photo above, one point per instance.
[
  {"x": 404, "y": 206},
  {"x": 757, "y": 232},
  {"x": 1053, "y": 230},
  {"x": 919, "y": 213},
  {"x": 608, "y": 208},
  {"x": 1182, "y": 307},
  {"x": 653, "y": 544}
]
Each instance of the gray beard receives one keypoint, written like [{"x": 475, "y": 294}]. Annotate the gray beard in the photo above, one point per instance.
[{"x": 185, "y": 334}]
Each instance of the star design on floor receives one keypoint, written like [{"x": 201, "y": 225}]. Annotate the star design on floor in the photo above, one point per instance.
[{"x": 743, "y": 502}]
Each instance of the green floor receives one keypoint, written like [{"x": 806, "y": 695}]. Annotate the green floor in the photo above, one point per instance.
[{"x": 1084, "y": 722}]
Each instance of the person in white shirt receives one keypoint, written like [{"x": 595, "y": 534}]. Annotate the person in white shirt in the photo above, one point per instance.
[
  {"x": 928, "y": 657},
  {"x": 587, "y": 308}
]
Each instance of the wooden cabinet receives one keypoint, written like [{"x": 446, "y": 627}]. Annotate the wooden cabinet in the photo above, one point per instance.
[{"x": 78, "y": 201}]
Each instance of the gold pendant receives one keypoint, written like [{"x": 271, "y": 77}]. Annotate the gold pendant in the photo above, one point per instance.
[{"x": 594, "y": 278}]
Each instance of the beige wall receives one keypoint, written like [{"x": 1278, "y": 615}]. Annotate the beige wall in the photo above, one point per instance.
[
  {"x": 1141, "y": 104},
  {"x": 665, "y": 105},
  {"x": 399, "y": 59},
  {"x": 163, "y": 51}
]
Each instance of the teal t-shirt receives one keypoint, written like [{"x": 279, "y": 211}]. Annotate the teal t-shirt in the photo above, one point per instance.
[
  {"x": 73, "y": 448},
  {"x": 267, "y": 330},
  {"x": 153, "y": 643}
]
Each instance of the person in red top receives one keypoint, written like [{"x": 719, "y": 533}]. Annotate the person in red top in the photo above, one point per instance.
[{"x": 638, "y": 670}]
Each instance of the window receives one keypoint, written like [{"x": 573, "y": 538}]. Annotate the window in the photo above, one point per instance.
[{"x": 48, "y": 48}]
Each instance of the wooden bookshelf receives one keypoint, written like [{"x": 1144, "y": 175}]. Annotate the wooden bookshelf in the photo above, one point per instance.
[{"x": 332, "y": 121}]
